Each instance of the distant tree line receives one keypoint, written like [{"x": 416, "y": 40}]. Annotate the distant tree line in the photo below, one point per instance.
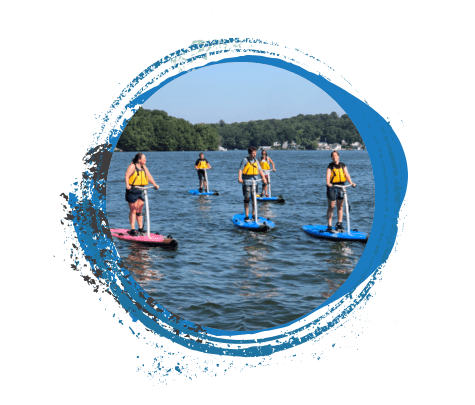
[
  {"x": 150, "y": 130},
  {"x": 155, "y": 130},
  {"x": 304, "y": 130}
]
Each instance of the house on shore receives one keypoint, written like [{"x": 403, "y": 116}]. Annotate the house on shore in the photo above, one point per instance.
[{"x": 220, "y": 148}]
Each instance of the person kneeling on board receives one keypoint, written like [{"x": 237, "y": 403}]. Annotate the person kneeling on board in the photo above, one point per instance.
[
  {"x": 137, "y": 174},
  {"x": 200, "y": 165},
  {"x": 248, "y": 171},
  {"x": 337, "y": 174}
]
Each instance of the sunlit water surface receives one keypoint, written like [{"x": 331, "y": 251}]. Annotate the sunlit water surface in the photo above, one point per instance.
[{"x": 229, "y": 278}]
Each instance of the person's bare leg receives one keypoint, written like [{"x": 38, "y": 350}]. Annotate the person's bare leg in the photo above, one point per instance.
[
  {"x": 132, "y": 215},
  {"x": 331, "y": 206},
  {"x": 134, "y": 209},
  {"x": 339, "y": 208},
  {"x": 139, "y": 210},
  {"x": 132, "y": 219}
]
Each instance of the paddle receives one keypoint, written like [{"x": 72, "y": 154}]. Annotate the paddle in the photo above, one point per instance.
[
  {"x": 146, "y": 208},
  {"x": 206, "y": 180},
  {"x": 346, "y": 205},
  {"x": 254, "y": 198}
]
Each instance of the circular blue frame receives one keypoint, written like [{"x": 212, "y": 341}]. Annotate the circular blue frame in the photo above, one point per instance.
[{"x": 87, "y": 207}]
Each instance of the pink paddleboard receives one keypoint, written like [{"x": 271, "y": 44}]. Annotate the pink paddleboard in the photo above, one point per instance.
[{"x": 154, "y": 240}]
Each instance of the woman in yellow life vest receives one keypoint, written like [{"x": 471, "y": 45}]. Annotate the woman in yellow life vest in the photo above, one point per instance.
[
  {"x": 201, "y": 164},
  {"x": 137, "y": 174},
  {"x": 337, "y": 174},
  {"x": 265, "y": 160}
]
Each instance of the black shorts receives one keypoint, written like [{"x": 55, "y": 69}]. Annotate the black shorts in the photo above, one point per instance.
[
  {"x": 133, "y": 195},
  {"x": 201, "y": 175},
  {"x": 335, "y": 193}
]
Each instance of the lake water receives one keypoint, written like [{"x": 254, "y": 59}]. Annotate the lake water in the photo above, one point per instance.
[{"x": 230, "y": 278}]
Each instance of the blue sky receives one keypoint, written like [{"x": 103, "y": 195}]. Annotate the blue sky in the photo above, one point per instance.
[{"x": 240, "y": 91}]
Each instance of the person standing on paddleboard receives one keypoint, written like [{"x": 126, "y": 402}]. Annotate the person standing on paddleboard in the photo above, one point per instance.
[
  {"x": 337, "y": 174},
  {"x": 265, "y": 160},
  {"x": 137, "y": 175},
  {"x": 200, "y": 165},
  {"x": 248, "y": 171}
]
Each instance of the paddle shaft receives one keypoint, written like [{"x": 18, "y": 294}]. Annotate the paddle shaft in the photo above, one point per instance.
[
  {"x": 347, "y": 212},
  {"x": 347, "y": 207},
  {"x": 206, "y": 180},
  {"x": 254, "y": 199},
  {"x": 267, "y": 173},
  {"x": 146, "y": 210},
  {"x": 147, "y": 213}
]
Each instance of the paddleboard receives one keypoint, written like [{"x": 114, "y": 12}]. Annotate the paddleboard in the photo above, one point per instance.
[
  {"x": 197, "y": 192},
  {"x": 262, "y": 225},
  {"x": 274, "y": 199},
  {"x": 320, "y": 231},
  {"x": 154, "y": 240}
]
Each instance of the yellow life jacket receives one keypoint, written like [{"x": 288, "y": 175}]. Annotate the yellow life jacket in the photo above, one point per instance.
[
  {"x": 139, "y": 178},
  {"x": 251, "y": 169},
  {"x": 265, "y": 165},
  {"x": 337, "y": 175},
  {"x": 202, "y": 164}
]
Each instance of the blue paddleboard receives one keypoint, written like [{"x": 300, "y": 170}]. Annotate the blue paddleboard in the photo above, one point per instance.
[
  {"x": 262, "y": 225},
  {"x": 320, "y": 231},
  {"x": 197, "y": 192},
  {"x": 274, "y": 199}
]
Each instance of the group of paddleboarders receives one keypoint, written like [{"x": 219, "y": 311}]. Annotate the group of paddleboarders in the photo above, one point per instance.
[{"x": 250, "y": 169}]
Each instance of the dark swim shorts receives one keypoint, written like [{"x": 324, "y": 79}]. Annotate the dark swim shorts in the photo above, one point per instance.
[
  {"x": 133, "y": 195},
  {"x": 334, "y": 193},
  {"x": 201, "y": 174}
]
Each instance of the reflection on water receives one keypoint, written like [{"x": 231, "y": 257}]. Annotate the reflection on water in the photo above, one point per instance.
[
  {"x": 265, "y": 210},
  {"x": 140, "y": 263},
  {"x": 204, "y": 203},
  {"x": 228, "y": 278}
]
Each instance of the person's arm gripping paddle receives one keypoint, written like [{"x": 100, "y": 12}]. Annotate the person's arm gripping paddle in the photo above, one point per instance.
[
  {"x": 345, "y": 170},
  {"x": 240, "y": 171},
  {"x": 272, "y": 163},
  {"x": 150, "y": 178},
  {"x": 129, "y": 172},
  {"x": 329, "y": 174}
]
